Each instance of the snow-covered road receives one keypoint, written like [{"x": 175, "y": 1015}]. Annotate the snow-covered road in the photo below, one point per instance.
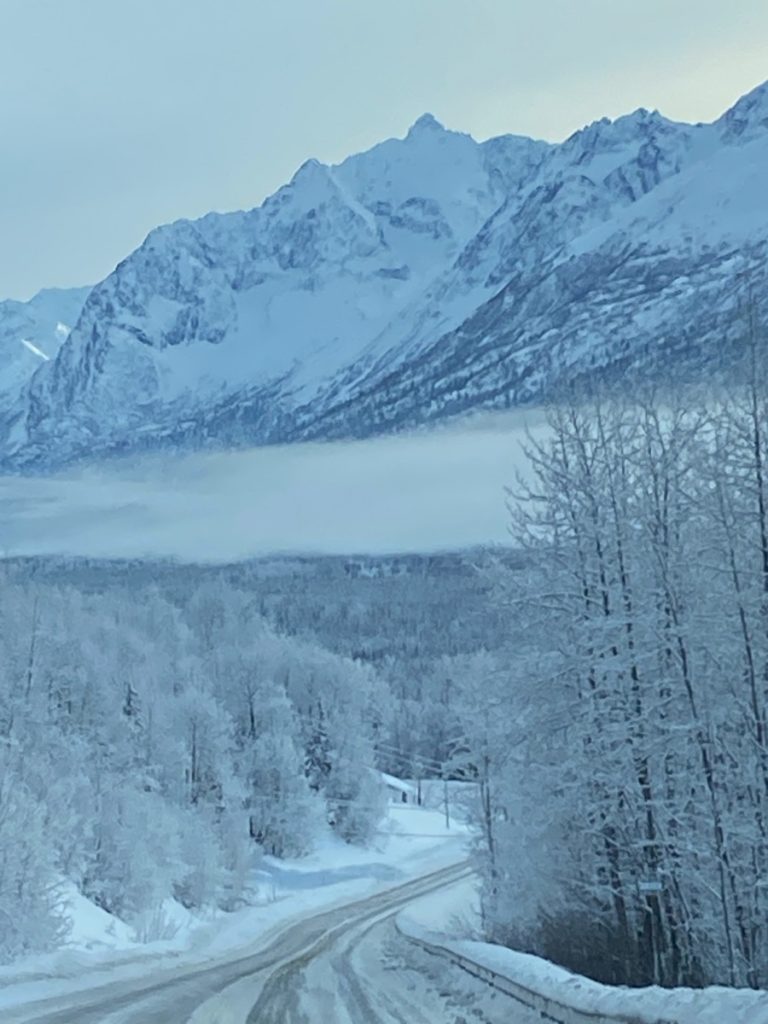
[
  {"x": 367, "y": 974},
  {"x": 334, "y": 966}
]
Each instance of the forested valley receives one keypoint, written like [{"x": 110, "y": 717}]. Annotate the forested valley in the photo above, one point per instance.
[{"x": 601, "y": 684}]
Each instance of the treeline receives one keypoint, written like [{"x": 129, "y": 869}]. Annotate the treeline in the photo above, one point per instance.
[
  {"x": 625, "y": 810},
  {"x": 149, "y": 750},
  {"x": 419, "y": 622}
]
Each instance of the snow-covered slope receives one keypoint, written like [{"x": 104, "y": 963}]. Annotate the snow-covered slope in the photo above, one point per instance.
[
  {"x": 33, "y": 332},
  {"x": 578, "y": 276},
  {"x": 427, "y": 276}
]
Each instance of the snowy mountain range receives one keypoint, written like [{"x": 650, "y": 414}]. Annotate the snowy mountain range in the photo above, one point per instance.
[{"x": 429, "y": 276}]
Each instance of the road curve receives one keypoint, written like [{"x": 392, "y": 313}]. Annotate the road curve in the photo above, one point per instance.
[
  {"x": 173, "y": 996},
  {"x": 365, "y": 972}
]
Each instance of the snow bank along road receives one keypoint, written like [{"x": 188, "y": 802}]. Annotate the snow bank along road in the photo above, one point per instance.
[{"x": 325, "y": 968}]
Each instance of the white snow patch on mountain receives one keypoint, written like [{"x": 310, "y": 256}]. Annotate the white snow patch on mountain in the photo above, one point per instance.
[{"x": 34, "y": 349}]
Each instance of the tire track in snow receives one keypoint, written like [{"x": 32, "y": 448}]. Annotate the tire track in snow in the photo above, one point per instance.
[{"x": 174, "y": 996}]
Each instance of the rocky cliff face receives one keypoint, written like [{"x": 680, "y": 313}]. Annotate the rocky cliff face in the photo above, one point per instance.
[
  {"x": 31, "y": 333},
  {"x": 428, "y": 276}
]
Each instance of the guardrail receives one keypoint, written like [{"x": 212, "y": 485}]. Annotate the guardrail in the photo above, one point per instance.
[{"x": 549, "y": 1009}]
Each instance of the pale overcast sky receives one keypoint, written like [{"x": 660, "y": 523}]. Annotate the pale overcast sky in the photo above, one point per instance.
[{"x": 117, "y": 115}]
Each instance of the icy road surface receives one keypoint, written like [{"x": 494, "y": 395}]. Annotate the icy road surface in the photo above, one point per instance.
[
  {"x": 344, "y": 966},
  {"x": 368, "y": 974}
]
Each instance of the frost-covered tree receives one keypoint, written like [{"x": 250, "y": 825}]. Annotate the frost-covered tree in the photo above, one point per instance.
[
  {"x": 283, "y": 816},
  {"x": 635, "y": 754},
  {"x": 152, "y": 748},
  {"x": 30, "y": 914}
]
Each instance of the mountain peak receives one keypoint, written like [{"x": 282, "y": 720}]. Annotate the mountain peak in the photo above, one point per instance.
[
  {"x": 643, "y": 116},
  {"x": 311, "y": 170},
  {"x": 608, "y": 134},
  {"x": 425, "y": 125},
  {"x": 747, "y": 117},
  {"x": 312, "y": 183},
  {"x": 645, "y": 121}
]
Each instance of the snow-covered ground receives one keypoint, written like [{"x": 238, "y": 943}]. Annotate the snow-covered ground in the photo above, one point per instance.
[
  {"x": 435, "y": 490},
  {"x": 411, "y": 841},
  {"x": 448, "y": 917}
]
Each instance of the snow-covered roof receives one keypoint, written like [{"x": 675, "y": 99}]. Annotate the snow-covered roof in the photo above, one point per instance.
[{"x": 399, "y": 784}]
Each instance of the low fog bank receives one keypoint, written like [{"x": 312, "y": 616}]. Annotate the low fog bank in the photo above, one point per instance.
[{"x": 428, "y": 491}]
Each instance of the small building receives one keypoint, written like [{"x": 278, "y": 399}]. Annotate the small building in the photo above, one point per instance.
[{"x": 399, "y": 791}]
